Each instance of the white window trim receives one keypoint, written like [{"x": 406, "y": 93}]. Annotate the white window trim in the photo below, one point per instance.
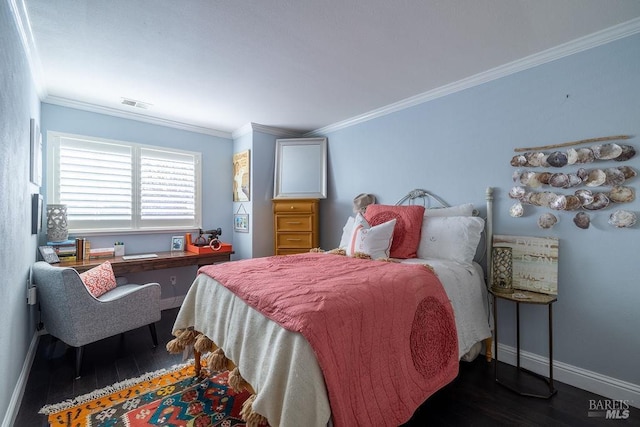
[{"x": 53, "y": 191}]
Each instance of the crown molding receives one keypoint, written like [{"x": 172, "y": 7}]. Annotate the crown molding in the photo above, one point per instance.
[
  {"x": 596, "y": 39},
  {"x": 85, "y": 106},
  {"x": 271, "y": 130},
  {"x": 21, "y": 19}
]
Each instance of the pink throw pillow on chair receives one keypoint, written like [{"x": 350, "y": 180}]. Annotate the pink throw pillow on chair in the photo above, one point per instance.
[
  {"x": 406, "y": 234},
  {"x": 99, "y": 280}
]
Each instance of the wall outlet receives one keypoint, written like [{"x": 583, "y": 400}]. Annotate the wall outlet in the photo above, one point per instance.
[
  {"x": 31, "y": 296},
  {"x": 172, "y": 280}
]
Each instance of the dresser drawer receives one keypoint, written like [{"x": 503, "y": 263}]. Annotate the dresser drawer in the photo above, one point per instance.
[
  {"x": 294, "y": 240},
  {"x": 294, "y": 223},
  {"x": 294, "y": 206}
]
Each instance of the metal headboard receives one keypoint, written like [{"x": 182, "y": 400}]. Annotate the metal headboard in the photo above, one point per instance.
[
  {"x": 424, "y": 195},
  {"x": 427, "y": 196}
]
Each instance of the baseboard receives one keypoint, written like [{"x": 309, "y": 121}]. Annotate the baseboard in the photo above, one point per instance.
[
  {"x": 168, "y": 303},
  {"x": 593, "y": 382},
  {"x": 18, "y": 391}
]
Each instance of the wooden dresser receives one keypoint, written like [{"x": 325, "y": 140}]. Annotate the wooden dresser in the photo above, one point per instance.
[{"x": 295, "y": 225}]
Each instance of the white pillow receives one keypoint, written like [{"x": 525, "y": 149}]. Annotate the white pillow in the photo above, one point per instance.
[
  {"x": 374, "y": 241},
  {"x": 459, "y": 210},
  {"x": 453, "y": 238},
  {"x": 346, "y": 233}
]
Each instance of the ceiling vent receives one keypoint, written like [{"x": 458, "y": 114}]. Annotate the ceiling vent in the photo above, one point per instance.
[{"x": 137, "y": 104}]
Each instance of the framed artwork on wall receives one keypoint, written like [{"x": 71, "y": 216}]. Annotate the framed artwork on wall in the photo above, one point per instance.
[
  {"x": 241, "y": 177},
  {"x": 36, "y": 213},
  {"x": 35, "y": 166},
  {"x": 241, "y": 223}
]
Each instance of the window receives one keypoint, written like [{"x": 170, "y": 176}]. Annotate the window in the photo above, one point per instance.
[{"x": 119, "y": 186}]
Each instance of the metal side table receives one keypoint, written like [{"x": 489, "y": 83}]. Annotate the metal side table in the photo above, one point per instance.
[{"x": 529, "y": 298}]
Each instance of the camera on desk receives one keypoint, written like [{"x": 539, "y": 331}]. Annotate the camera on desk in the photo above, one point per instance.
[{"x": 209, "y": 238}]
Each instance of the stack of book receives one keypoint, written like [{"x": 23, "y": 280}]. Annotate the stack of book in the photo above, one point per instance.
[
  {"x": 65, "y": 250},
  {"x": 101, "y": 253}
]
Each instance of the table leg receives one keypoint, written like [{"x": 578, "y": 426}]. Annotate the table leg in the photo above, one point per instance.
[
  {"x": 488, "y": 348},
  {"x": 518, "y": 334},
  {"x": 196, "y": 363},
  {"x": 495, "y": 335},
  {"x": 550, "y": 349}
]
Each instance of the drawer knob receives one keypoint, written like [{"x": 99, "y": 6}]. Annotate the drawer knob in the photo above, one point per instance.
[{"x": 292, "y": 208}]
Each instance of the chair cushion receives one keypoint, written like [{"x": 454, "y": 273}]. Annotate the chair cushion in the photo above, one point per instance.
[{"x": 100, "y": 279}]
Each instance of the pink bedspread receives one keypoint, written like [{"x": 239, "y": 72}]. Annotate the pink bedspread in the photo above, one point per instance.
[{"x": 383, "y": 333}]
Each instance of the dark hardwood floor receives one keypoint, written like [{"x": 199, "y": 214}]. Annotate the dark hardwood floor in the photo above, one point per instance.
[{"x": 472, "y": 399}]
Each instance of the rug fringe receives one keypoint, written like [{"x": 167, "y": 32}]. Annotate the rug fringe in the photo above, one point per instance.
[{"x": 70, "y": 403}]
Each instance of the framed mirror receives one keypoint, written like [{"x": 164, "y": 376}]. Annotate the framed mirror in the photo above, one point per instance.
[{"x": 301, "y": 168}]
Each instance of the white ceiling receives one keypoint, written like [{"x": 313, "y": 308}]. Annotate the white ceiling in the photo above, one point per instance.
[{"x": 294, "y": 64}]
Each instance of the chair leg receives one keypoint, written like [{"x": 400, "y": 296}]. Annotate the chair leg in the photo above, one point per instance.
[
  {"x": 78, "y": 360},
  {"x": 154, "y": 336},
  {"x": 51, "y": 348}
]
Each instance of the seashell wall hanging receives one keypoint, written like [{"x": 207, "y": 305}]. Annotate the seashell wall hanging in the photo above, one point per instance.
[
  {"x": 558, "y": 159},
  {"x": 547, "y": 220},
  {"x": 530, "y": 182},
  {"x": 582, "y": 220},
  {"x": 622, "y": 219}
]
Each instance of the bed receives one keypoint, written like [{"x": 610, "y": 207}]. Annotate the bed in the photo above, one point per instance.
[{"x": 375, "y": 350}]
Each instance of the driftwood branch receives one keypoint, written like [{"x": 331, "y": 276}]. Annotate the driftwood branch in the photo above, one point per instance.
[{"x": 568, "y": 144}]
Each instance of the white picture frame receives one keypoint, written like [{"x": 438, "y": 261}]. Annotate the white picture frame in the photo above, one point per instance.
[
  {"x": 301, "y": 168},
  {"x": 177, "y": 243},
  {"x": 241, "y": 223},
  {"x": 49, "y": 254},
  {"x": 35, "y": 165}
]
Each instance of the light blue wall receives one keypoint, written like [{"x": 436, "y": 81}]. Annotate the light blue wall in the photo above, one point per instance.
[
  {"x": 258, "y": 242},
  {"x": 264, "y": 148},
  {"x": 460, "y": 144},
  {"x": 243, "y": 247},
  {"x": 18, "y": 104},
  {"x": 216, "y": 181}
]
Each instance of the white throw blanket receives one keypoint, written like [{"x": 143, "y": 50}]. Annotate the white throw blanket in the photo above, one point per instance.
[{"x": 280, "y": 365}]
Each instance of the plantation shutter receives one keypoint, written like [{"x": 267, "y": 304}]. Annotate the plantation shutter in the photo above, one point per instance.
[
  {"x": 167, "y": 188},
  {"x": 96, "y": 184},
  {"x": 113, "y": 186}
]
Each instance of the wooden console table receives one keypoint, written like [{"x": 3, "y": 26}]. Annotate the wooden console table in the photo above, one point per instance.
[{"x": 163, "y": 260}]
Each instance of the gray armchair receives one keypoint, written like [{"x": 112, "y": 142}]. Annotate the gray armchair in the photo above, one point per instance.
[{"x": 71, "y": 314}]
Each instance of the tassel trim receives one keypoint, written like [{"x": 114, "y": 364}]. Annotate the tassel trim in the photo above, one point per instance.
[
  {"x": 252, "y": 418},
  {"x": 106, "y": 391}
]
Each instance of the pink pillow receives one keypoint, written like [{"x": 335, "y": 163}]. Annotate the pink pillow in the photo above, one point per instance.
[
  {"x": 99, "y": 280},
  {"x": 406, "y": 234}
]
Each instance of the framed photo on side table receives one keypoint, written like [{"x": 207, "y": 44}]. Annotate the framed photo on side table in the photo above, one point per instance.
[
  {"x": 177, "y": 243},
  {"x": 48, "y": 254}
]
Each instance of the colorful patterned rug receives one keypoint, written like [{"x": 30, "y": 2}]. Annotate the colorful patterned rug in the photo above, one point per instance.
[{"x": 173, "y": 397}]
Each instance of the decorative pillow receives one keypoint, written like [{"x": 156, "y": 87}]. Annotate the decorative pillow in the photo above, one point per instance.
[
  {"x": 99, "y": 280},
  {"x": 453, "y": 238},
  {"x": 459, "y": 210},
  {"x": 346, "y": 233},
  {"x": 374, "y": 241},
  {"x": 406, "y": 235}
]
